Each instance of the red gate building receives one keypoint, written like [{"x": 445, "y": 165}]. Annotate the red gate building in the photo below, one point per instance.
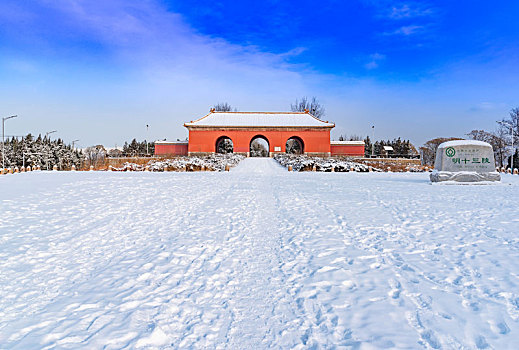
[{"x": 277, "y": 129}]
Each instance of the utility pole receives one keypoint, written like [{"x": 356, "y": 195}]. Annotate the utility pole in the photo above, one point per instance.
[
  {"x": 373, "y": 142},
  {"x": 3, "y": 138},
  {"x": 46, "y": 135},
  {"x": 147, "y": 126}
]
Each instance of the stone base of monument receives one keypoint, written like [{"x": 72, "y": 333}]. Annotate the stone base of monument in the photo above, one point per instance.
[{"x": 463, "y": 176}]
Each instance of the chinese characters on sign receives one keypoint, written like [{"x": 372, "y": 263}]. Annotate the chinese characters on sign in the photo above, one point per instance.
[
  {"x": 467, "y": 158},
  {"x": 473, "y": 161}
]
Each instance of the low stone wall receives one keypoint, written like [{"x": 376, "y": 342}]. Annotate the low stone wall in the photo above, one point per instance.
[{"x": 394, "y": 164}]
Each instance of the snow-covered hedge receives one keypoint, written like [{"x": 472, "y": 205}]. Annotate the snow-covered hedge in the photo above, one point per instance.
[
  {"x": 305, "y": 163},
  {"x": 216, "y": 162}
]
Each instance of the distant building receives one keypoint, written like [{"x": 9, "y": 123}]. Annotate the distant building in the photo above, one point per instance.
[
  {"x": 281, "y": 132},
  {"x": 171, "y": 148},
  {"x": 347, "y": 148}
]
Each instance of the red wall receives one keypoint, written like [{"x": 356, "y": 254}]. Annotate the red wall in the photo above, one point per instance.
[
  {"x": 347, "y": 150},
  {"x": 315, "y": 140},
  {"x": 177, "y": 149}
]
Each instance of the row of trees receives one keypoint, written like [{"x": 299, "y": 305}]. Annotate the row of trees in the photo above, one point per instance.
[
  {"x": 138, "y": 149},
  {"x": 401, "y": 148},
  {"x": 132, "y": 149},
  {"x": 40, "y": 151}
]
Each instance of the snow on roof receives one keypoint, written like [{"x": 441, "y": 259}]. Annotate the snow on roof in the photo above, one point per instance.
[
  {"x": 463, "y": 143},
  {"x": 119, "y": 148},
  {"x": 388, "y": 148},
  {"x": 164, "y": 142},
  {"x": 347, "y": 143},
  {"x": 261, "y": 119}
]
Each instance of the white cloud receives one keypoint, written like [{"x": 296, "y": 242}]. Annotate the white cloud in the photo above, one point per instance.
[
  {"x": 374, "y": 61},
  {"x": 404, "y": 11},
  {"x": 147, "y": 66},
  {"x": 144, "y": 32},
  {"x": 407, "y": 30}
]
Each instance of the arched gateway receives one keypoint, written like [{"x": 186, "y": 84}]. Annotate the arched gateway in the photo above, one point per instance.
[
  {"x": 259, "y": 133},
  {"x": 301, "y": 132},
  {"x": 259, "y": 146}
]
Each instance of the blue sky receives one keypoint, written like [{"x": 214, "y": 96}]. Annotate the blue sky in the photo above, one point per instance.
[{"x": 101, "y": 71}]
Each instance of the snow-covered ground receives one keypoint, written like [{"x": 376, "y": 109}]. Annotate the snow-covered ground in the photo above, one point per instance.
[{"x": 258, "y": 257}]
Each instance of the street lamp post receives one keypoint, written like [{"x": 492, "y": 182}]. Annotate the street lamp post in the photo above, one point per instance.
[
  {"x": 46, "y": 135},
  {"x": 147, "y": 126},
  {"x": 3, "y": 138},
  {"x": 373, "y": 142},
  {"x": 504, "y": 123}
]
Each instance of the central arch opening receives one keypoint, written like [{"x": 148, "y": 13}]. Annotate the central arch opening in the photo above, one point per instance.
[
  {"x": 294, "y": 145},
  {"x": 224, "y": 145},
  {"x": 259, "y": 146}
]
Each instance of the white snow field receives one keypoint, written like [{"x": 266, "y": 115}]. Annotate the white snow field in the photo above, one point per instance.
[{"x": 257, "y": 258}]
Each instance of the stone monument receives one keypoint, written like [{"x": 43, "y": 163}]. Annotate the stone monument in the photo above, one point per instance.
[{"x": 464, "y": 161}]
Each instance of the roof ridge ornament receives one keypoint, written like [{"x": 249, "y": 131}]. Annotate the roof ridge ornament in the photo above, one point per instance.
[
  {"x": 211, "y": 110},
  {"x": 307, "y": 111}
]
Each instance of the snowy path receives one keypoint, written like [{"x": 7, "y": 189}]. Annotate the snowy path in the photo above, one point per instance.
[
  {"x": 256, "y": 258},
  {"x": 263, "y": 166}
]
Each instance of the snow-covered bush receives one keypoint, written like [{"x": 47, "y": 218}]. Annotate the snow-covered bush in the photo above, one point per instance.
[
  {"x": 306, "y": 163},
  {"x": 215, "y": 162}
]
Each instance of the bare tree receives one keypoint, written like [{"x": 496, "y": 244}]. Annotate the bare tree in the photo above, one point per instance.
[
  {"x": 314, "y": 107},
  {"x": 429, "y": 149},
  {"x": 224, "y": 107},
  {"x": 514, "y": 121},
  {"x": 511, "y": 122},
  {"x": 496, "y": 140},
  {"x": 114, "y": 153},
  {"x": 506, "y": 125},
  {"x": 480, "y": 135},
  {"x": 499, "y": 144},
  {"x": 95, "y": 155}
]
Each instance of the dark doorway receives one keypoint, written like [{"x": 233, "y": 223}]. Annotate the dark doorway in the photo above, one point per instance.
[
  {"x": 294, "y": 145},
  {"x": 224, "y": 145},
  {"x": 259, "y": 147}
]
